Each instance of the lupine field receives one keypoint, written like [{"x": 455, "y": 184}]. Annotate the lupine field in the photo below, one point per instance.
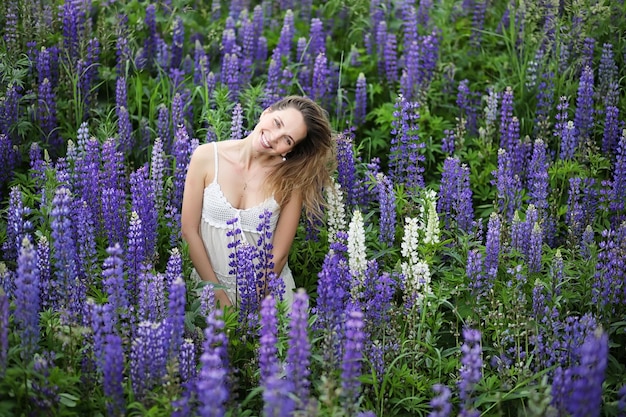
[{"x": 472, "y": 259}]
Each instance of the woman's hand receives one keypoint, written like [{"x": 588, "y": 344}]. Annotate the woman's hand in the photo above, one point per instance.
[{"x": 221, "y": 299}]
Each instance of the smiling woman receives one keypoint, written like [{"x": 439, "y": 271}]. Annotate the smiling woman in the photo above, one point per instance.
[{"x": 280, "y": 168}]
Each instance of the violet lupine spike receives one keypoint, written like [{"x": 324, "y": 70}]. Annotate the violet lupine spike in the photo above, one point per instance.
[
  {"x": 17, "y": 224},
  {"x": 478, "y": 24},
  {"x": 360, "y": 100},
  {"x": 492, "y": 248},
  {"x": 607, "y": 70},
  {"x": 535, "y": 250},
  {"x": 440, "y": 403},
  {"x": 85, "y": 241},
  {"x": 70, "y": 290},
  {"x": 381, "y": 40},
  {"x": 45, "y": 272},
  {"x": 299, "y": 351},
  {"x": 617, "y": 203},
  {"x": 187, "y": 361},
  {"x": 113, "y": 375},
  {"x": 405, "y": 156},
  {"x": 87, "y": 174},
  {"x": 4, "y": 330},
  {"x": 47, "y": 113},
  {"x": 471, "y": 369},
  {"x": 354, "y": 341},
  {"x": 231, "y": 67},
  {"x": 207, "y": 300},
  {"x": 286, "y": 36},
  {"x": 387, "y": 205},
  {"x": 114, "y": 283},
  {"x": 113, "y": 169},
  {"x": 506, "y": 115},
  {"x": 236, "y": 127},
  {"x": 143, "y": 202},
  {"x": 538, "y": 178},
  {"x": 508, "y": 184},
  {"x": 27, "y": 299},
  {"x": 584, "y": 115},
  {"x": 611, "y": 134},
  {"x": 545, "y": 104},
  {"x": 101, "y": 320},
  {"x": 455, "y": 196},
  {"x": 114, "y": 213},
  {"x": 390, "y": 58},
  {"x": 321, "y": 82},
  {"x": 212, "y": 381},
  {"x": 176, "y": 315},
  {"x": 270, "y": 93},
  {"x": 148, "y": 357},
  {"x": 135, "y": 254},
  {"x": 244, "y": 267},
  {"x": 178, "y": 39},
  {"x": 123, "y": 51},
  {"x": 586, "y": 384},
  {"x": 346, "y": 167},
  {"x": 268, "y": 351},
  {"x": 164, "y": 130},
  {"x": 124, "y": 125},
  {"x": 158, "y": 173}
]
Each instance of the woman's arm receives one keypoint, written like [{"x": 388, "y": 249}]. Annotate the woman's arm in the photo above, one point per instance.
[
  {"x": 201, "y": 162},
  {"x": 286, "y": 231}
]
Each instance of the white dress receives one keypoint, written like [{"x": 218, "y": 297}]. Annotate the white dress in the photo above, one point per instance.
[{"x": 217, "y": 212}]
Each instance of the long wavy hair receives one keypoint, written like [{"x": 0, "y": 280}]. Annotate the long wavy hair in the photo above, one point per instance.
[{"x": 309, "y": 165}]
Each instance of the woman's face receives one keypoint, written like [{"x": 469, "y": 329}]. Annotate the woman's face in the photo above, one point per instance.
[{"x": 279, "y": 131}]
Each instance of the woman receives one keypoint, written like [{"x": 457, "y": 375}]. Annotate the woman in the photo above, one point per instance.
[{"x": 281, "y": 166}]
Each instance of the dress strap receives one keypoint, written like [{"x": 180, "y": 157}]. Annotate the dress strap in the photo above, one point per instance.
[{"x": 216, "y": 160}]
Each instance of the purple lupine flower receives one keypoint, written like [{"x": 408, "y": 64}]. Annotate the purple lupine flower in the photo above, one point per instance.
[
  {"x": 545, "y": 103},
  {"x": 87, "y": 174},
  {"x": 43, "y": 393},
  {"x": 201, "y": 64},
  {"x": 588, "y": 50},
  {"x": 471, "y": 370},
  {"x": 27, "y": 299},
  {"x": 45, "y": 273},
  {"x": 85, "y": 241},
  {"x": 299, "y": 351},
  {"x": 381, "y": 41},
  {"x": 286, "y": 36},
  {"x": 244, "y": 268},
  {"x": 158, "y": 173},
  {"x": 178, "y": 114},
  {"x": 236, "y": 127},
  {"x": 387, "y": 207},
  {"x": 151, "y": 296},
  {"x": 123, "y": 51},
  {"x": 409, "y": 22},
  {"x": 114, "y": 284},
  {"x": 143, "y": 202},
  {"x": 7, "y": 280},
  {"x": 609, "y": 287},
  {"x": 360, "y": 100},
  {"x": 405, "y": 158},
  {"x": 187, "y": 361},
  {"x": 509, "y": 185},
  {"x": 466, "y": 102},
  {"x": 87, "y": 70},
  {"x": 10, "y": 111},
  {"x": 230, "y": 74},
  {"x": 113, "y": 168},
  {"x": 264, "y": 248},
  {"x": 176, "y": 315},
  {"x": 492, "y": 248},
  {"x": 390, "y": 58},
  {"x": 475, "y": 273},
  {"x": 611, "y": 135},
  {"x": 212, "y": 382},
  {"x": 585, "y": 399},
  {"x": 583, "y": 118},
  {"x": 346, "y": 166},
  {"x": 321, "y": 82},
  {"x": 268, "y": 352},
  {"x": 11, "y": 32},
  {"x": 113, "y": 213},
  {"x": 148, "y": 357},
  {"x": 9, "y": 156},
  {"x": 270, "y": 93},
  {"x": 455, "y": 196},
  {"x": 506, "y": 115},
  {"x": 17, "y": 225},
  {"x": 174, "y": 267},
  {"x": 124, "y": 125},
  {"x": 581, "y": 206},
  {"x": 113, "y": 375},
  {"x": 535, "y": 249},
  {"x": 617, "y": 202},
  {"x": 178, "y": 40},
  {"x": 68, "y": 288},
  {"x": 207, "y": 300},
  {"x": 351, "y": 361},
  {"x": 277, "y": 397},
  {"x": 182, "y": 150},
  {"x": 47, "y": 112},
  {"x": 607, "y": 75},
  {"x": 4, "y": 330},
  {"x": 72, "y": 21},
  {"x": 538, "y": 179},
  {"x": 332, "y": 288},
  {"x": 441, "y": 406},
  {"x": 478, "y": 23},
  {"x": 164, "y": 130}
]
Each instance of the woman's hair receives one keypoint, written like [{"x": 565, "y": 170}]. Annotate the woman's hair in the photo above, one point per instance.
[{"x": 309, "y": 165}]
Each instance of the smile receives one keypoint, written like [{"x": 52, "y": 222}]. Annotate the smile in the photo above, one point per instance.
[{"x": 264, "y": 141}]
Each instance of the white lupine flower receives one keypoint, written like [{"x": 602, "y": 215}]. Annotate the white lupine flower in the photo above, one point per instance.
[
  {"x": 356, "y": 245},
  {"x": 336, "y": 211},
  {"x": 432, "y": 219},
  {"x": 410, "y": 240},
  {"x": 417, "y": 277}
]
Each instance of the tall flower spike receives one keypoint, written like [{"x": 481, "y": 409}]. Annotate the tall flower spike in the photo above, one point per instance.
[
  {"x": 387, "y": 207},
  {"x": 27, "y": 299},
  {"x": 357, "y": 257},
  {"x": 113, "y": 375},
  {"x": 471, "y": 370},
  {"x": 299, "y": 351},
  {"x": 268, "y": 352},
  {"x": 212, "y": 384},
  {"x": 351, "y": 361}
]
